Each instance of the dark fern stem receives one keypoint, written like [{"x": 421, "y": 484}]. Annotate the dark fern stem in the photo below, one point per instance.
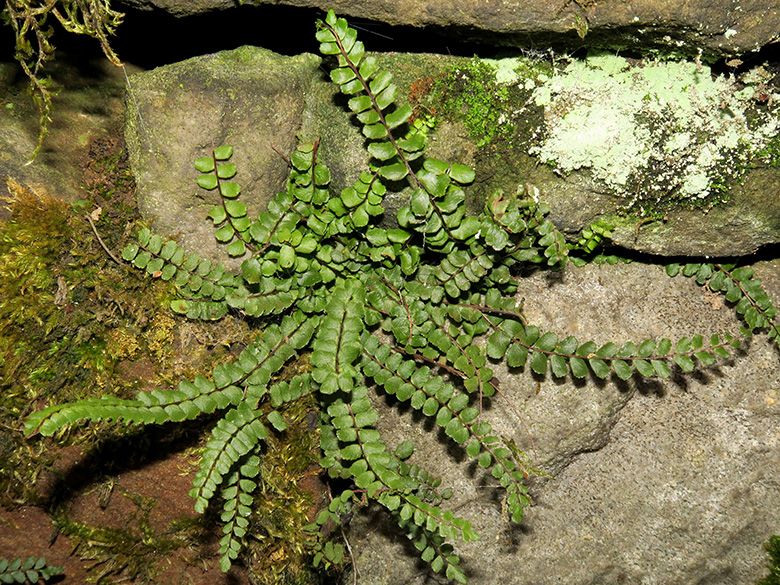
[{"x": 396, "y": 309}]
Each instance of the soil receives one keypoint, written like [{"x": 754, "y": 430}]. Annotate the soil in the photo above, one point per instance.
[{"x": 29, "y": 530}]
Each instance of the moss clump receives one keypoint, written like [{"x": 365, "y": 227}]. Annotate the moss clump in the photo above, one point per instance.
[
  {"x": 135, "y": 550},
  {"x": 286, "y": 502},
  {"x": 74, "y": 324},
  {"x": 773, "y": 550},
  {"x": 471, "y": 94}
]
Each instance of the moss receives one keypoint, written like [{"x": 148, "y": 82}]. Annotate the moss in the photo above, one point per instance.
[
  {"x": 286, "y": 503},
  {"x": 73, "y": 324},
  {"x": 773, "y": 550},
  {"x": 770, "y": 153},
  {"x": 470, "y": 93},
  {"x": 135, "y": 550}
]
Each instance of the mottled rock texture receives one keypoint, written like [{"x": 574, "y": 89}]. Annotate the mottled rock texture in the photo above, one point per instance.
[
  {"x": 248, "y": 97},
  {"x": 655, "y": 482},
  {"x": 258, "y": 102}
]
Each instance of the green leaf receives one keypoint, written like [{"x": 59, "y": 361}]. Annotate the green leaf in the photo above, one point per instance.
[
  {"x": 661, "y": 368},
  {"x": 217, "y": 214},
  {"x": 622, "y": 369},
  {"x": 685, "y": 362},
  {"x": 394, "y": 172},
  {"x": 462, "y": 173},
  {"x": 205, "y": 164},
  {"x": 516, "y": 355},
  {"x": 558, "y": 366},
  {"x": 207, "y": 182},
  {"x": 226, "y": 171},
  {"x": 223, "y": 152},
  {"x": 237, "y": 248},
  {"x": 382, "y": 150},
  {"x": 277, "y": 420},
  {"x": 599, "y": 367},
  {"x": 286, "y": 256},
  {"x": 399, "y": 116},
  {"x": 235, "y": 208},
  {"x": 539, "y": 362},
  {"x": 579, "y": 368},
  {"x": 374, "y": 131},
  {"x": 404, "y": 450},
  {"x": 130, "y": 251}
]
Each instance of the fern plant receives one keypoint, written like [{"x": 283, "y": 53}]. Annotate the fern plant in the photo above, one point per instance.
[
  {"x": 398, "y": 309},
  {"x": 29, "y": 570}
]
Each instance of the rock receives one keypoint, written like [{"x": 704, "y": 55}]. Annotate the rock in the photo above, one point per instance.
[
  {"x": 250, "y": 98},
  {"x": 719, "y": 27},
  {"x": 653, "y": 182},
  {"x": 639, "y": 467},
  {"x": 654, "y": 481},
  {"x": 672, "y": 481}
]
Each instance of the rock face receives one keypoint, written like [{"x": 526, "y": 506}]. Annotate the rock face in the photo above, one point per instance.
[
  {"x": 248, "y": 97},
  {"x": 654, "y": 482},
  {"x": 719, "y": 26},
  {"x": 684, "y": 145},
  {"x": 89, "y": 107}
]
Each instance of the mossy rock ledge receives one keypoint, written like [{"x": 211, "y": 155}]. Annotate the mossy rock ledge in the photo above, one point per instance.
[{"x": 717, "y": 26}]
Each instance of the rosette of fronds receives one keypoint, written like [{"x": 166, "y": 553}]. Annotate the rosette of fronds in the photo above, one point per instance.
[{"x": 419, "y": 311}]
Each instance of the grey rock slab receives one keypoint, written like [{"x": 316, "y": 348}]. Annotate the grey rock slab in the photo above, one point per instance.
[
  {"x": 249, "y": 98},
  {"x": 747, "y": 222},
  {"x": 719, "y": 26},
  {"x": 654, "y": 481}
]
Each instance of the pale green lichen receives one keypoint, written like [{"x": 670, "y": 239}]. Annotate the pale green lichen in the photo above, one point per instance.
[
  {"x": 649, "y": 130},
  {"x": 506, "y": 70}
]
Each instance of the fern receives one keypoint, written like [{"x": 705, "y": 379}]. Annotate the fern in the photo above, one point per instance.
[
  {"x": 419, "y": 311},
  {"x": 29, "y": 570}
]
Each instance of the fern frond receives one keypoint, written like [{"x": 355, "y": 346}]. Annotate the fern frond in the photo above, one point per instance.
[
  {"x": 337, "y": 343},
  {"x": 739, "y": 286},
  {"x": 29, "y": 570},
  {"x": 237, "y": 492},
  {"x": 230, "y": 215},
  {"x": 520, "y": 344},
  {"x": 440, "y": 401},
  {"x": 239, "y": 432},
  {"x": 433, "y": 549},
  {"x": 375, "y": 470},
  {"x": 246, "y": 378},
  {"x": 108, "y": 408},
  {"x": 437, "y": 202},
  {"x": 204, "y": 284}
]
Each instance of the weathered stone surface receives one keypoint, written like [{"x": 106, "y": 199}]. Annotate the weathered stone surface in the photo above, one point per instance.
[
  {"x": 720, "y": 26},
  {"x": 654, "y": 482},
  {"x": 250, "y": 98}
]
